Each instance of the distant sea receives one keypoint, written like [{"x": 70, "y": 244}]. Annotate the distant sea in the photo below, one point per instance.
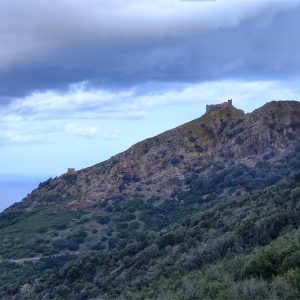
[{"x": 13, "y": 188}]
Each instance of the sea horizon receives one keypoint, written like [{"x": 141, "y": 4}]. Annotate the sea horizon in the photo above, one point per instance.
[{"x": 15, "y": 187}]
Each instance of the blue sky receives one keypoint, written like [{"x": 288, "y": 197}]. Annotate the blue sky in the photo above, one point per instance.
[{"x": 83, "y": 80}]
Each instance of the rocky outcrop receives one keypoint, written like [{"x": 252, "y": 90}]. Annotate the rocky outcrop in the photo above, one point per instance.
[{"x": 160, "y": 165}]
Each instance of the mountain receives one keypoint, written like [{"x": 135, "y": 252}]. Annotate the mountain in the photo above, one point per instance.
[
  {"x": 160, "y": 165},
  {"x": 190, "y": 205}
]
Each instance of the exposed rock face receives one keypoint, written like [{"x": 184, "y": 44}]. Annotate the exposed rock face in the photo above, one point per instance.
[
  {"x": 26, "y": 290},
  {"x": 160, "y": 165}
]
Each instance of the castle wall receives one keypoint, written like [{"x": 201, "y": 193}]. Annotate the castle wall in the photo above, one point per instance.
[{"x": 218, "y": 107}]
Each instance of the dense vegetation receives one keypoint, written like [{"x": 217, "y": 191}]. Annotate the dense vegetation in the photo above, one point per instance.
[{"x": 232, "y": 235}]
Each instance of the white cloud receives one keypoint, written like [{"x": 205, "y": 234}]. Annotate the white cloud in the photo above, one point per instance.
[
  {"x": 218, "y": 91},
  {"x": 27, "y": 133},
  {"x": 80, "y": 130},
  {"x": 50, "y": 116},
  {"x": 51, "y": 131},
  {"x": 88, "y": 131},
  {"x": 84, "y": 103}
]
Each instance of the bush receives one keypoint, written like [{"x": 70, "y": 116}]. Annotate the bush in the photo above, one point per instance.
[
  {"x": 99, "y": 246},
  {"x": 134, "y": 225},
  {"x": 165, "y": 240},
  {"x": 295, "y": 194},
  {"x": 113, "y": 242},
  {"x": 70, "y": 178},
  {"x": 175, "y": 161},
  {"x": 72, "y": 245},
  {"x": 103, "y": 219}
]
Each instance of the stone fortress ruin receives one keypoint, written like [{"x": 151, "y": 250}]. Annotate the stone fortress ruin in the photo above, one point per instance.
[{"x": 218, "y": 107}]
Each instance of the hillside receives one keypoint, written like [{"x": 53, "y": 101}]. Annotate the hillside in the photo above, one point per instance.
[
  {"x": 160, "y": 165},
  {"x": 194, "y": 204}
]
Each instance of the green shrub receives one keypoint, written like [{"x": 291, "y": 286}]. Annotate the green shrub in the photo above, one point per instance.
[
  {"x": 72, "y": 245},
  {"x": 103, "y": 219}
]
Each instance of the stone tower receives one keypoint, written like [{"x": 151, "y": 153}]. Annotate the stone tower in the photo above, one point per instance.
[{"x": 218, "y": 107}]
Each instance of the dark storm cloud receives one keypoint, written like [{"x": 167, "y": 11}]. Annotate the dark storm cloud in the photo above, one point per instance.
[{"x": 51, "y": 44}]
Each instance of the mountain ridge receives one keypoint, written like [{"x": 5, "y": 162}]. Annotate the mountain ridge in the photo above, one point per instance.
[{"x": 160, "y": 165}]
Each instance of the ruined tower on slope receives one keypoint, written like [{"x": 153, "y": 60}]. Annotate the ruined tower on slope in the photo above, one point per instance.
[{"x": 218, "y": 107}]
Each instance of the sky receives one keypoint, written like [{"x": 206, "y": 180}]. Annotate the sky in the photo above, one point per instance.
[{"x": 83, "y": 80}]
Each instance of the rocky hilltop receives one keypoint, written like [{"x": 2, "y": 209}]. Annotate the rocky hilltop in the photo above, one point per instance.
[{"x": 160, "y": 165}]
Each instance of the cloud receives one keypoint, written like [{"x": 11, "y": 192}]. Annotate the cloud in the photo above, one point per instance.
[
  {"x": 79, "y": 101},
  {"x": 114, "y": 45},
  {"x": 50, "y": 116},
  {"x": 87, "y": 131},
  {"x": 53, "y": 131},
  {"x": 19, "y": 132},
  {"x": 242, "y": 92},
  {"x": 84, "y": 131},
  {"x": 83, "y": 102}
]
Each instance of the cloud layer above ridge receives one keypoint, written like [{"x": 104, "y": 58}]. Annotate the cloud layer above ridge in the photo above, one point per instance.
[{"x": 116, "y": 44}]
